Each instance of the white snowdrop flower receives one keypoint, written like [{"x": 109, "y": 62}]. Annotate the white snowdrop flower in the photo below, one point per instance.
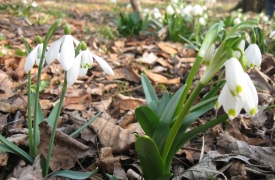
[
  {"x": 34, "y": 4},
  {"x": 237, "y": 21},
  {"x": 157, "y": 15},
  {"x": 34, "y": 56},
  {"x": 84, "y": 61},
  {"x": 64, "y": 46},
  {"x": 208, "y": 57},
  {"x": 265, "y": 18},
  {"x": 197, "y": 10},
  {"x": 202, "y": 21},
  {"x": 241, "y": 46},
  {"x": 272, "y": 35},
  {"x": 155, "y": 10},
  {"x": 204, "y": 8},
  {"x": 174, "y": 1},
  {"x": 177, "y": 10},
  {"x": 253, "y": 56},
  {"x": 128, "y": 6},
  {"x": 187, "y": 10},
  {"x": 170, "y": 10},
  {"x": 205, "y": 16},
  {"x": 113, "y": 1},
  {"x": 230, "y": 104},
  {"x": 145, "y": 10},
  {"x": 234, "y": 75},
  {"x": 250, "y": 97}
]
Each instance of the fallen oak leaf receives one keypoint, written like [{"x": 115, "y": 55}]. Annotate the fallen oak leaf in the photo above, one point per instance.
[{"x": 66, "y": 150}]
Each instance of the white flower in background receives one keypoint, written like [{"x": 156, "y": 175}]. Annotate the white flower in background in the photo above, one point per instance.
[
  {"x": 187, "y": 10},
  {"x": 265, "y": 18},
  {"x": 202, "y": 21},
  {"x": 177, "y": 10},
  {"x": 272, "y": 35},
  {"x": 204, "y": 8},
  {"x": 157, "y": 15},
  {"x": 239, "y": 15},
  {"x": 241, "y": 46},
  {"x": 253, "y": 56},
  {"x": 261, "y": 15},
  {"x": 205, "y": 16},
  {"x": 145, "y": 11},
  {"x": 34, "y": 4},
  {"x": 170, "y": 10},
  {"x": 208, "y": 57},
  {"x": 64, "y": 46},
  {"x": 128, "y": 6},
  {"x": 34, "y": 56},
  {"x": 197, "y": 10},
  {"x": 113, "y": 1},
  {"x": 155, "y": 10},
  {"x": 174, "y": 1},
  {"x": 234, "y": 75},
  {"x": 84, "y": 61},
  {"x": 237, "y": 21}
]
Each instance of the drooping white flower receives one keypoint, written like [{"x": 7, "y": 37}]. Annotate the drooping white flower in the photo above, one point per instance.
[
  {"x": 234, "y": 75},
  {"x": 230, "y": 104},
  {"x": 241, "y": 46},
  {"x": 128, "y": 6},
  {"x": 202, "y": 21},
  {"x": 207, "y": 58},
  {"x": 155, "y": 10},
  {"x": 272, "y": 35},
  {"x": 265, "y": 18},
  {"x": 34, "y": 56},
  {"x": 250, "y": 97},
  {"x": 145, "y": 11},
  {"x": 237, "y": 21},
  {"x": 84, "y": 61},
  {"x": 157, "y": 15},
  {"x": 253, "y": 56},
  {"x": 170, "y": 10},
  {"x": 187, "y": 10},
  {"x": 64, "y": 46},
  {"x": 197, "y": 10}
]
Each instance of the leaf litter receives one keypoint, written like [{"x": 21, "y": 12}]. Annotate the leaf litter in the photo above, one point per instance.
[{"x": 241, "y": 150}]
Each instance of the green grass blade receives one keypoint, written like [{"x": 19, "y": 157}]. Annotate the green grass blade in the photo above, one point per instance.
[
  {"x": 149, "y": 91},
  {"x": 15, "y": 149}
]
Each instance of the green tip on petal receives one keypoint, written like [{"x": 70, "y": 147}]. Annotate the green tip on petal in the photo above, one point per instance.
[
  {"x": 67, "y": 30},
  {"x": 87, "y": 65},
  {"x": 83, "y": 46},
  {"x": 39, "y": 39},
  {"x": 253, "y": 111},
  {"x": 231, "y": 113},
  {"x": 251, "y": 66},
  {"x": 216, "y": 105},
  {"x": 239, "y": 89}
]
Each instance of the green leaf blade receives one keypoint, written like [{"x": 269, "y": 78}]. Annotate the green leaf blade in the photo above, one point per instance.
[{"x": 74, "y": 174}]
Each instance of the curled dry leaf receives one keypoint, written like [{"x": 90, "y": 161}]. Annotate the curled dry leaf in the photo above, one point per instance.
[
  {"x": 148, "y": 58},
  {"x": 128, "y": 118},
  {"x": 264, "y": 85},
  {"x": 18, "y": 139},
  {"x": 260, "y": 118},
  {"x": 167, "y": 48},
  {"x": 264, "y": 155},
  {"x": 6, "y": 86},
  {"x": 102, "y": 105},
  {"x": 157, "y": 78},
  {"x": 66, "y": 150},
  {"x": 4, "y": 158},
  {"x": 130, "y": 103},
  {"x": 127, "y": 73},
  {"x": 111, "y": 135}
]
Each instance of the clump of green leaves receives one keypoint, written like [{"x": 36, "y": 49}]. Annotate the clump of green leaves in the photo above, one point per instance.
[{"x": 129, "y": 24}]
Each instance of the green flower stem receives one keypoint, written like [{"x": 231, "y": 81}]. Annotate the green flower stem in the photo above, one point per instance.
[
  {"x": 64, "y": 87},
  {"x": 197, "y": 29},
  {"x": 184, "y": 112},
  {"x": 189, "y": 81},
  {"x": 31, "y": 147}
]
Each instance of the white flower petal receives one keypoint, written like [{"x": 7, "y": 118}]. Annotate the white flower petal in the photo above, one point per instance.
[
  {"x": 82, "y": 71},
  {"x": 234, "y": 77},
  {"x": 53, "y": 51},
  {"x": 67, "y": 53},
  {"x": 72, "y": 73},
  {"x": 253, "y": 55},
  {"x": 39, "y": 53},
  {"x": 209, "y": 55},
  {"x": 241, "y": 46},
  {"x": 85, "y": 60},
  {"x": 231, "y": 105},
  {"x": 104, "y": 65},
  {"x": 251, "y": 97},
  {"x": 31, "y": 59}
]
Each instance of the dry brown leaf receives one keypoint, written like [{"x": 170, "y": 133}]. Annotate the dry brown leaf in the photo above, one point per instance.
[
  {"x": 128, "y": 118},
  {"x": 102, "y": 105},
  {"x": 260, "y": 118},
  {"x": 108, "y": 87},
  {"x": 130, "y": 103},
  {"x": 3, "y": 120},
  {"x": 46, "y": 104},
  {"x": 66, "y": 150},
  {"x": 237, "y": 168},
  {"x": 166, "y": 47},
  {"x": 119, "y": 172},
  {"x": 13, "y": 104},
  {"x": 4, "y": 158},
  {"x": 87, "y": 134},
  {"x": 29, "y": 172},
  {"x": 264, "y": 85},
  {"x": 233, "y": 131},
  {"x": 18, "y": 139},
  {"x": 264, "y": 155},
  {"x": 96, "y": 89},
  {"x": 6, "y": 85},
  {"x": 157, "y": 78},
  {"x": 124, "y": 73},
  {"x": 148, "y": 58},
  {"x": 111, "y": 135},
  {"x": 84, "y": 99}
]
